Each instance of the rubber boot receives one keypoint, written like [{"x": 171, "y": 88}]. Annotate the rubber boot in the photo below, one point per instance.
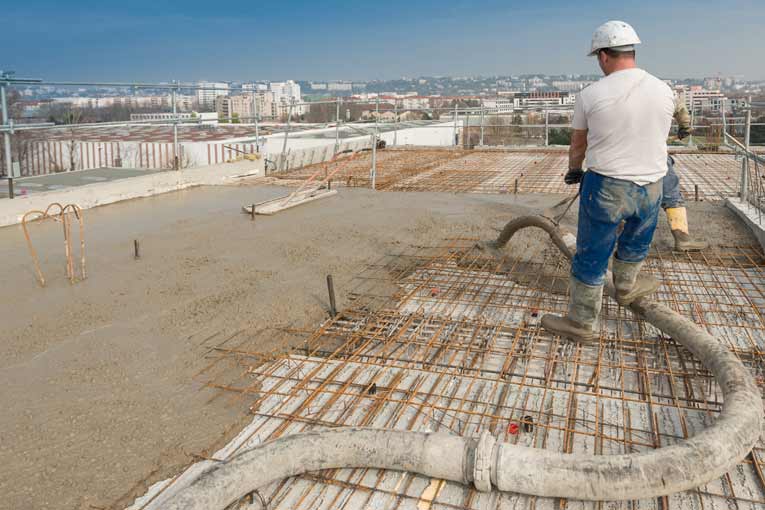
[
  {"x": 629, "y": 285},
  {"x": 678, "y": 223},
  {"x": 583, "y": 311}
]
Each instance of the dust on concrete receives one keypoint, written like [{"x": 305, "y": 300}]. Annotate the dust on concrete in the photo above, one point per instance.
[{"x": 99, "y": 396}]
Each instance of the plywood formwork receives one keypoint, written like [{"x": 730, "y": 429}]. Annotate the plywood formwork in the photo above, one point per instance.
[
  {"x": 715, "y": 176},
  {"x": 457, "y": 348}
]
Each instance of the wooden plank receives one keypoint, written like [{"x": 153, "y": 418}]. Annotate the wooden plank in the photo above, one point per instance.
[{"x": 279, "y": 204}]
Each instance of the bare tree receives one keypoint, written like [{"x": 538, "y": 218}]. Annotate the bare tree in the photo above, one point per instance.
[{"x": 73, "y": 117}]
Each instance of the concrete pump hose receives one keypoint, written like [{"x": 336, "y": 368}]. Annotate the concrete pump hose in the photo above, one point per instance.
[
  {"x": 443, "y": 456},
  {"x": 684, "y": 465},
  {"x": 559, "y": 238}
]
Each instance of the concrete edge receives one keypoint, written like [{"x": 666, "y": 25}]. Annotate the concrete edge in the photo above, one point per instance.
[
  {"x": 102, "y": 193},
  {"x": 750, "y": 215}
]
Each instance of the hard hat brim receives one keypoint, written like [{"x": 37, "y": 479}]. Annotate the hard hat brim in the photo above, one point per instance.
[{"x": 625, "y": 48}]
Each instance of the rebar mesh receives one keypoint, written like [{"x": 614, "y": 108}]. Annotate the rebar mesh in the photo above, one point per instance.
[
  {"x": 457, "y": 347},
  {"x": 703, "y": 176}
]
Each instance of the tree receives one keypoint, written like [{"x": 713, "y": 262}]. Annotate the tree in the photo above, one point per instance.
[
  {"x": 757, "y": 133},
  {"x": 73, "y": 116},
  {"x": 322, "y": 112},
  {"x": 560, "y": 136}
]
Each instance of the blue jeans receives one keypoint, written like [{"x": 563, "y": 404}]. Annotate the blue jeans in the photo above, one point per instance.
[
  {"x": 604, "y": 203},
  {"x": 671, "y": 193}
]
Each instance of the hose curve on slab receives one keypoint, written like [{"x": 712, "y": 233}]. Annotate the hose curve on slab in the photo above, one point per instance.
[{"x": 508, "y": 467}]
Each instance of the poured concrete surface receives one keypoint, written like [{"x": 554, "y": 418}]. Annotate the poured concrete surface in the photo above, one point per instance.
[
  {"x": 750, "y": 215},
  {"x": 52, "y": 182},
  {"x": 98, "y": 398},
  {"x": 91, "y": 188},
  {"x": 97, "y": 376}
]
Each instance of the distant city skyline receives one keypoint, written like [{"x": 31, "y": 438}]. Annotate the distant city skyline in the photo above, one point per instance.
[{"x": 342, "y": 40}]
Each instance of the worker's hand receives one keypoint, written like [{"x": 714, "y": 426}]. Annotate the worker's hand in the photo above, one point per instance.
[
  {"x": 683, "y": 132},
  {"x": 573, "y": 176}
]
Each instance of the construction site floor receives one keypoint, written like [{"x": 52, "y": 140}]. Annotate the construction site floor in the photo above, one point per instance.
[
  {"x": 102, "y": 389},
  {"x": 50, "y": 182}
]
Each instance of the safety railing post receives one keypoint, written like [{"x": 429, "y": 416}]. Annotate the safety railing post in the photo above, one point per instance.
[
  {"x": 337, "y": 124},
  {"x": 745, "y": 160},
  {"x": 455, "y": 123},
  {"x": 373, "y": 170},
  {"x": 256, "y": 114},
  {"x": 6, "y": 138},
  {"x": 395, "y": 122},
  {"x": 690, "y": 136},
  {"x": 176, "y": 160},
  {"x": 743, "y": 190},
  {"x": 482, "y": 117},
  {"x": 286, "y": 135}
]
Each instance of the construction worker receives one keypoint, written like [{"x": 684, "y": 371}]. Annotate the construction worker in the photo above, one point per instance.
[
  {"x": 673, "y": 203},
  {"x": 621, "y": 123}
]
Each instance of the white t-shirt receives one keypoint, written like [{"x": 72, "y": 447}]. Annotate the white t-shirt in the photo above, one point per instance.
[{"x": 628, "y": 115}]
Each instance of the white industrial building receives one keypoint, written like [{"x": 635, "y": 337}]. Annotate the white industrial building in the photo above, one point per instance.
[
  {"x": 183, "y": 103},
  {"x": 211, "y": 90},
  {"x": 285, "y": 93},
  {"x": 521, "y": 100},
  {"x": 698, "y": 99}
]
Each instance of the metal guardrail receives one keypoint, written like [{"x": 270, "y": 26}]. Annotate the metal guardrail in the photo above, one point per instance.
[
  {"x": 752, "y": 184},
  {"x": 471, "y": 123}
]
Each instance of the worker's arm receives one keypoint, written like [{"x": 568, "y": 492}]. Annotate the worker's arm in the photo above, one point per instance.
[
  {"x": 578, "y": 145},
  {"x": 683, "y": 119},
  {"x": 576, "y": 152},
  {"x": 577, "y": 148}
]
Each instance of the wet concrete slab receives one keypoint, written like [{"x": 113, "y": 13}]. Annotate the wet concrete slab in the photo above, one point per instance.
[{"x": 36, "y": 184}]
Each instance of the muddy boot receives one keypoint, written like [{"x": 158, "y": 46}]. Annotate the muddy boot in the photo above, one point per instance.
[
  {"x": 629, "y": 286},
  {"x": 684, "y": 242},
  {"x": 583, "y": 311},
  {"x": 678, "y": 223}
]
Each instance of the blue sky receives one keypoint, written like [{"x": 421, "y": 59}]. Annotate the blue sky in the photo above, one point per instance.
[{"x": 234, "y": 40}]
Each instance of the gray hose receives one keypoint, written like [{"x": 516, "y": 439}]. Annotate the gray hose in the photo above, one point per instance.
[
  {"x": 558, "y": 237},
  {"x": 682, "y": 466},
  {"x": 441, "y": 455},
  {"x": 508, "y": 467}
]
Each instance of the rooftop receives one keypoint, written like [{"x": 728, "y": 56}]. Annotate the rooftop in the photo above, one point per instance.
[{"x": 218, "y": 337}]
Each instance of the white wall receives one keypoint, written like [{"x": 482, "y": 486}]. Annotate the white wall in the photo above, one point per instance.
[
  {"x": 101, "y": 193},
  {"x": 47, "y": 157},
  {"x": 309, "y": 150}
]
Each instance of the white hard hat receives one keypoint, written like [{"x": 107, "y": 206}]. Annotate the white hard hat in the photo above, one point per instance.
[{"x": 615, "y": 35}]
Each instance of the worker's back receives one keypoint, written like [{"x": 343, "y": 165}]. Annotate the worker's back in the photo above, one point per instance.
[{"x": 628, "y": 115}]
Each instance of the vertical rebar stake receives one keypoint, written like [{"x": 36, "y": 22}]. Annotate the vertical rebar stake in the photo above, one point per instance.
[
  {"x": 696, "y": 191},
  {"x": 516, "y": 187},
  {"x": 252, "y": 212},
  {"x": 136, "y": 251},
  {"x": 331, "y": 290}
]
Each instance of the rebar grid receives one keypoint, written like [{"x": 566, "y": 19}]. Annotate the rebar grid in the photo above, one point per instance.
[
  {"x": 392, "y": 166},
  {"x": 716, "y": 175},
  {"x": 457, "y": 347}
]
